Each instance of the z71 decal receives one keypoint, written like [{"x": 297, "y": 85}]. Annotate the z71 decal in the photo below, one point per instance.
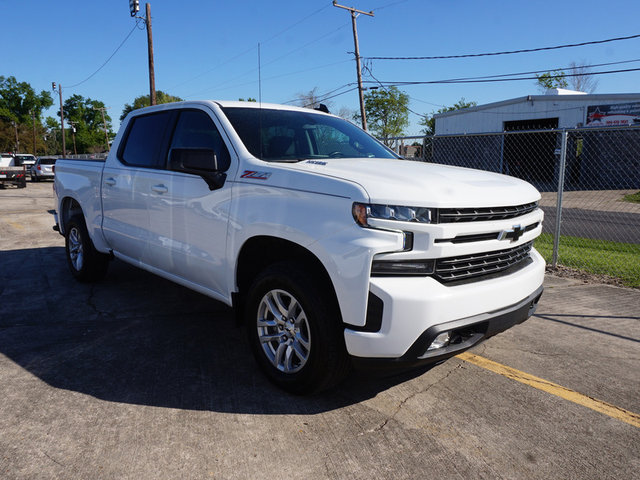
[{"x": 255, "y": 175}]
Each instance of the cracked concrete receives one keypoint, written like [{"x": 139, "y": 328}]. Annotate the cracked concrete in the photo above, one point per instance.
[{"x": 137, "y": 378}]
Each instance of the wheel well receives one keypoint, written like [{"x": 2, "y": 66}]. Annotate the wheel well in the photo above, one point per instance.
[
  {"x": 260, "y": 252},
  {"x": 69, "y": 208}
]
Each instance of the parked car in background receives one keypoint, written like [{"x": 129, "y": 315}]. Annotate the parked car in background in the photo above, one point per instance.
[
  {"x": 11, "y": 173},
  {"x": 6, "y": 159},
  {"x": 43, "y": 169},
  {"x": 24, "y": 159}
]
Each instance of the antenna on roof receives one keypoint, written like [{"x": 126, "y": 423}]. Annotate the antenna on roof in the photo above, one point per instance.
[{"x": 259, "y": 102}]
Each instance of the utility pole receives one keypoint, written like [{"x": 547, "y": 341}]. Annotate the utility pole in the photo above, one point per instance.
[
  {"x": 64, "y": 145},
  {"x": 33, "y": 117},
  {"x": 15, "y": 127},
  {"x": 134, "y": 8},
  {"x": 104, "y": 124},
  {"x": 357, "y": 55},
  {"x": 152, "y": 74}
]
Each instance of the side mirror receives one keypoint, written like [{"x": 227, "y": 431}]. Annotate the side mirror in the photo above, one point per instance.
[{"x": 198, "y": 161}]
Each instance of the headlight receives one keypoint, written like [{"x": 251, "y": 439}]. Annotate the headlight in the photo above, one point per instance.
[{"x": 363, "y": 212}]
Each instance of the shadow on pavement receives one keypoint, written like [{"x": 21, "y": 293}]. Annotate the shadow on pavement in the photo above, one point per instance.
[
  {"x": 136, "y": 338},
  {"x": 550, "y": 317}
]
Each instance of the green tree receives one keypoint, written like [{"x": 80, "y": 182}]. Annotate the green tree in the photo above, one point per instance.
[
  {"x": 429, "y": 121},
  {"x": 554, "y": 79},
  {"x": 387, "y": 112},
  {"x": 144, "y": 101},
  {"x": 247, "y": 100},
  {"x": 19, "y": 105},
  {"x": 18, "y": 100},
  {"x": 86, "y": 116}
]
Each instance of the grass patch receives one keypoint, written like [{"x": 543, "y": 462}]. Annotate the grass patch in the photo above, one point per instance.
[
  {"x": 632, "y": 197},
  {"x": 620, "y": 260}
]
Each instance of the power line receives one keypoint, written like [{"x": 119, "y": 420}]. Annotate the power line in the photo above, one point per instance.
[
  {"x": 296, "y": 24},
  {"x": 324, "y": 99},
  {"x": 245, "y": 52},
  {"x": 528, "y": 50},
  {"x": 388, "y": 5},
  {"x": 108, "y": 59},
  {"x": 325, "y": 96},
  {"x": 493, "y": 80},
  {"x": 253, "y": 70},
  {"x": 383, "y": 86},
  {"x": 545, "y": 70}
]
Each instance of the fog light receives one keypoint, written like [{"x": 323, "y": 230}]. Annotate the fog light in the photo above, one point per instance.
[{"x": 440, "y": 341}]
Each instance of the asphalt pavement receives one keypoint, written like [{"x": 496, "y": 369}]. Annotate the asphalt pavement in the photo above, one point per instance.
[{"x": 138, "y": 378}]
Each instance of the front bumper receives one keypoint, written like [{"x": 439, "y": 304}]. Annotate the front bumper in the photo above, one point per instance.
[{"x": 416, "y": 310}]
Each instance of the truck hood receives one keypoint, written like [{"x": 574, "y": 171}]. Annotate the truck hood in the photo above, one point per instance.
[{"x": 421, "y": 184}]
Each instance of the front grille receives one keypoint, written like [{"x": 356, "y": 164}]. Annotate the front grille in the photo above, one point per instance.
[
  {"x": 480, "y": 264},
  {"x": 456, "y": 215}
]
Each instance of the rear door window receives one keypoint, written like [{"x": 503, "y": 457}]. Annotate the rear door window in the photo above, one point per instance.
[{"x": 145, "y": 144}]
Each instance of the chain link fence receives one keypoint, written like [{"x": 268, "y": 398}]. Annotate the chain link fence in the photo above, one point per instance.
[{"x": 590, "y": 184}]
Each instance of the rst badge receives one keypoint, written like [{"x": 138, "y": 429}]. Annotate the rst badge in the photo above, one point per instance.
[{"x": 255, "y": 175}]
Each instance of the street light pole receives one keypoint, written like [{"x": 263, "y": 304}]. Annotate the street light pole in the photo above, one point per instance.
[
  {"x": 104, "y": 124},
  {"x": 353, "y": 11},
  {"x": 64, "y": 149}
]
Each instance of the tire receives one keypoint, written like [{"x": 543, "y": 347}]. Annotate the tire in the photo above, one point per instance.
[
  {"x": 85, "y": 262},
  {"x": 35, "y": 178},
  {"x": 295, "y": 330}
]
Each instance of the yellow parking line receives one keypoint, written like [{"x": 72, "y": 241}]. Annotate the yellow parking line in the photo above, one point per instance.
[
  {"x": 553, "y": 388},
  {"x": 17, "y": 226}
]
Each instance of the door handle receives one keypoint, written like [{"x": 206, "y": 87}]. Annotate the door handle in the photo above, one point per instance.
[
  {"x": 110, "y": 181},
  {"x": 160, "y": 189}
]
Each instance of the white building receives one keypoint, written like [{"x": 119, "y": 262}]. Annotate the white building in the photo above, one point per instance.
[{"x": 558, "y": 108}]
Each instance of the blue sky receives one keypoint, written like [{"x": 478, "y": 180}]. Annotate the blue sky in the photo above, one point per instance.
[{"x": 206, "y": 49}]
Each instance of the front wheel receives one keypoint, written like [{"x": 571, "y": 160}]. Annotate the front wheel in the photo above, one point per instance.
[
  {"x": 295, "y": 330},
  {"x": 85, "y": 262}
]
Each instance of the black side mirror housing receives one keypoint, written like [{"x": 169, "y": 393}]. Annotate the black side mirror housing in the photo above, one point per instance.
[{"x": 198, "y": 161}]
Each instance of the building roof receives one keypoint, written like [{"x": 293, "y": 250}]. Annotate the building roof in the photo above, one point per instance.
[{"x": 554, "y": 95}]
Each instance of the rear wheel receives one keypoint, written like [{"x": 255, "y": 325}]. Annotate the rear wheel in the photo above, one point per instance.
[
  {"x": 85, "y": 262},
  {"x": 295, "y": 330}
]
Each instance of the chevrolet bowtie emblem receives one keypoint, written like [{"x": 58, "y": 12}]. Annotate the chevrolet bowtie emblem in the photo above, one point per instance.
[{"x": 514, "y": 234}]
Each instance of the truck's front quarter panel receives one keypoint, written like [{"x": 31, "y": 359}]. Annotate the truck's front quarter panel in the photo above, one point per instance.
[{"x": 321, "y": 223}]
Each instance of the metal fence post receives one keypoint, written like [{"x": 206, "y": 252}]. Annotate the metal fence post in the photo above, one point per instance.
[
  {"x": 563, "y": 164},
  {"x": 502, "y": 154}
]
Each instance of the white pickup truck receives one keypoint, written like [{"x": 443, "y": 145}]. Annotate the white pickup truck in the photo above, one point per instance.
[{"x": 331, "y": 248}]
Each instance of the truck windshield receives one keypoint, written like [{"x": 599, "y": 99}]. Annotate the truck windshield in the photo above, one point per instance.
[{"x": 291, "y": 136}]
